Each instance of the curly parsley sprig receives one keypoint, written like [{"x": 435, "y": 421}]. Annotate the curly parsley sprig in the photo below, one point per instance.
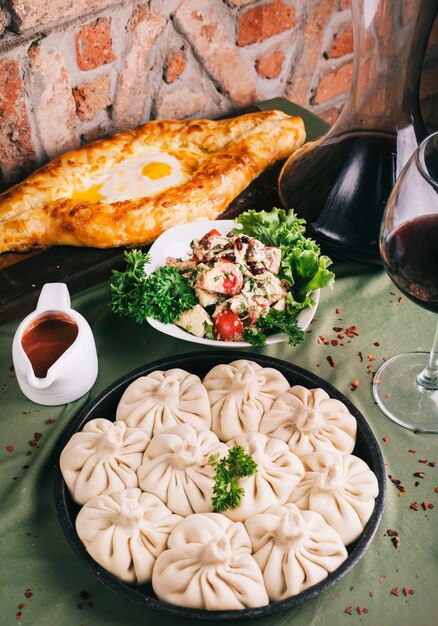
[
  {"x": 164, "y": 294},
  {"x": 226, "y": 491}
]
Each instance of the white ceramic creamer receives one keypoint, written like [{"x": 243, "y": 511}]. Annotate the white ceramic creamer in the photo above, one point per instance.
[{"x": 53, "y": 350}]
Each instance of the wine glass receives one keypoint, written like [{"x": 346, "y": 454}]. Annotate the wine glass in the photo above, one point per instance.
[{"x": 406, "y": 386}]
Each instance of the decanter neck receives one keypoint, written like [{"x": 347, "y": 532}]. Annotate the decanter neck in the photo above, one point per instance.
[{"x": 390, "y": 39}]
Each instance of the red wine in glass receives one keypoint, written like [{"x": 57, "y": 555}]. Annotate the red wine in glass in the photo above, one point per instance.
[
  {"x": 407, "y": 389},
  {"x": 410, "y": 255}
]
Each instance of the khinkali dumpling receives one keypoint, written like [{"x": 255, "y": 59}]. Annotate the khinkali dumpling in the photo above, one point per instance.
[
  {"x": 176, "y": 469},
  {"x": 308, "y": 420},
  {"x": 209, "y": 566},
  {"x": 240, "y": 393},
  {"x": 161, "y": 400},
  {"x": 341, "y": 488},
  {"x": 294, "y": 549},
  {"x": 278, "y": 473},
  {"x": 125, "y": 532},
  {"x": 102, "y": 458}
]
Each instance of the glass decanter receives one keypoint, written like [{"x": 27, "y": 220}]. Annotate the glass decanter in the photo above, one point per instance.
[{"x": 341, "y": 182}]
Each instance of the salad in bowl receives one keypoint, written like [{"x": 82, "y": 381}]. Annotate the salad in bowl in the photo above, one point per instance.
[{"x": 250, "y": 281}]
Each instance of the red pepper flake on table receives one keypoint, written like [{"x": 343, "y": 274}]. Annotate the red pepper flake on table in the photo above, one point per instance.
[
  {"x": 354, "y": 384},
  {"x": 394, "y": 591},
  {"x": 331, "y": 361},
  {"x": 408, "y": 592},
  {"x": 349, "y": 610},
  {"x": 414, "y": 506},
  {"x": 385, "y": 439},
  {"x": 10, "y": 448}
]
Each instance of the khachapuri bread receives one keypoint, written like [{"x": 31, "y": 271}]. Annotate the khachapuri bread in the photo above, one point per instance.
[
  {"x": 102, "y": 458},
  {"x": 176, "y": 468},
  {"x": 125, "y": 532},
  {"x": 240, "y": 392},
  {"x": 294, "y": 549},
  {"x": 128, "y": 189},
  {"x": 342, "y": 488},
  {"x": 208, "y": 565},
  {"x": 162, "y": 400},
  {"x": 309, "y": 420},
  {"x": 278, "y": 472}
]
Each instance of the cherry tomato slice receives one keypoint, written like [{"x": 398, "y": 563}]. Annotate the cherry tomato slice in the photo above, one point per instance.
[
  {"x": 211, "y": 232},
  {"x": 227, "y": 326}
]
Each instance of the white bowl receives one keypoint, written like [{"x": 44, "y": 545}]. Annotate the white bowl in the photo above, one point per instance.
[{"x": 175, "y": 242}]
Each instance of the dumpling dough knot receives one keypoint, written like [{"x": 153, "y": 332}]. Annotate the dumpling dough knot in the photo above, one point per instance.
[
  {"x": 291, "y": 529},
  {"x": 187, "y": 454},
  {"x": 167, "y": 393},
  {"x": 245, "y": 382},
  {"x": 309, "y": 420},
  {"x": 131, "y": 513},
  {"x": 331, "y": 478},
  {"x": 112, "y": 440},
  {"x": 216, "y": 551}
]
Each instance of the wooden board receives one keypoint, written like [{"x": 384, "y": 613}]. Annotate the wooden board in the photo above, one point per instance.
[{"x": 23, "y": 275}]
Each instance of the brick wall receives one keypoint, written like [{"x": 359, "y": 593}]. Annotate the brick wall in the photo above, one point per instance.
[{"x": 75, "y": 70}]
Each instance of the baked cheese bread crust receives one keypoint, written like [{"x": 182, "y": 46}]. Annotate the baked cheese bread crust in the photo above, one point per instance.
[{"x": 95, "y": 196}]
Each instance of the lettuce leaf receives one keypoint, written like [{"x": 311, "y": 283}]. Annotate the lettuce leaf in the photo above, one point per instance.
[{"x": 302, "y": 265}]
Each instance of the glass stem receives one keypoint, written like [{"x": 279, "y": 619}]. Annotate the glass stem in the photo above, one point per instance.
[{"x": 428, "y": 379}]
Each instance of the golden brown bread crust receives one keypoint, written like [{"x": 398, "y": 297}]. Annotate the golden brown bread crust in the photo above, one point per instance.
[{"x": 224, "y": 157}]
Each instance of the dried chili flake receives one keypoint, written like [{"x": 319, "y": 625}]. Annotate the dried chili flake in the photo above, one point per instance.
[
  {"x": 323, "y": 341},
  {"x": 371, "y": 358},
  {"x": 37, "y": 436},
  {"x": 436, "y": 489},
  {"x": 359, "y": 609},
  {"x": 337, "y": 329},
  {"x": 387, "y": 395},
  {"x": 431, "y": 506},
  {"x": 377, "y": 381},
  {"x": 432, "y": 463},
  {"x": 354, "y": 384},
  {"x": 50, "y": 421},
  {"x": 414, "y": 506},
  {"x": 371, "y": 594},
  {"x": 85, "y": 595},
  {"x": 341, "y": 336},
  {"x": 400, "y": 300},
  {"x": 406, "y": 591},
  {"x": 10, "y": 448},
  {"x": 338, "y": 311},
  {"x": 331, "y": 362},
  {"x": 422, "y": 460},
  {"x": 392, "y": 533},
  {"x": 360, "y": 355},
  {"x": 396, "y": 542},
  {"x": 349, "y": 610},
  {"x": 377, "y": 344},
  {"x": 425, "y": 505},
  {"x": 334, "y": 342},
  {"x": 420, "y": 474},
  {"x": 385, "y": 438},
  {"x": 28, "y": 593},
  {"x": 412, "y": 451},
  {"x": 394, "y": 591},
  {"x": 392, "y": 293},
  {"x": 21, "y": 606},
  {"x": 18, "y": 615}
]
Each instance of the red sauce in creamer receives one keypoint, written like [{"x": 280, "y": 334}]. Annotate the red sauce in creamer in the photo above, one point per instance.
[{"x": 46, "y": 339}]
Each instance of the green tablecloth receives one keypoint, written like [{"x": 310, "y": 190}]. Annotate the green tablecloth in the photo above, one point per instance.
[
  {"x": 43, "y": 583},
  {"x": 35, "y": 555}
]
